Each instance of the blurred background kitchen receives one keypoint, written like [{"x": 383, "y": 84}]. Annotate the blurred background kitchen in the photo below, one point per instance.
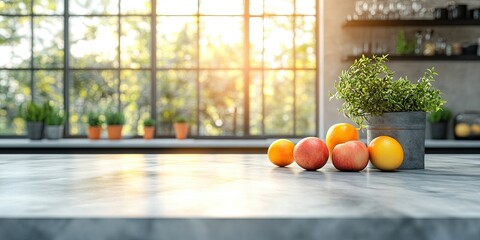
[
  {"x": 417, "y": 34},
  {"x": 295, "y": 47}
]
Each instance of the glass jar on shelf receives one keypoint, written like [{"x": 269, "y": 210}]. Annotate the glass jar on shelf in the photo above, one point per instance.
[
  {"x": 418, "y": 43},
  {"x": 428, "y": 45},
  {"x": 393, "y": 10},
  {"x": 467, "y": 126},
  {"x": 440, "y": 47},
  {"x": 359, "y": 12}
]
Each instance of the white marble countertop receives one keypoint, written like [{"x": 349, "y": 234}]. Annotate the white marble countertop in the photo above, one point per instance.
[
  {"x": 195, "y": 192},
  {"x": 230, "y": 186}
]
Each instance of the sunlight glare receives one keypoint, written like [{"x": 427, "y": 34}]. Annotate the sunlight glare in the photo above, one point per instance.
[
  {"x": 220, "y": 30},
  {"x": 221, "y": 7},
  {"x": 136, "y": 6},
  {"x": 279, "y": 6},
  {"x": 278, "y": 42},
  {"x": 256, "y": 40},
  {"x": 17, "y": 52},
  {"x": 104, "y": 44},
  {"x": 177, "y": 7},
  {"x": 256, "y": 7}
]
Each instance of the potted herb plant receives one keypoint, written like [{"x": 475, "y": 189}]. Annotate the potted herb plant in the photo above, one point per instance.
[
  {"x": 115, "y": 121},
  {"x": 181, "y": 127},
  {"x": 148, "y": 128},
  {"x": 393, "y": 108},
  {"x": 34, "y": 115},
  {"x": 438, "y": 123},
  {"x": 54, "y": 124},
  {"x": 94, "y": 126}
]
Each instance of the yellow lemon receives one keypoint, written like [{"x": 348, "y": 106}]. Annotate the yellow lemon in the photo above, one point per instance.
[{"x": 386, "y": 153}]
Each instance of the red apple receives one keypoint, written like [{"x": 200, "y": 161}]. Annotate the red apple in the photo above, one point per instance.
[
  {"x": 311, "y": 153},
  {"x": 350, "y": 156}
]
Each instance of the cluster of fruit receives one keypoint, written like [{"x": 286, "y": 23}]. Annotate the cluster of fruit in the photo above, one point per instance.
[
  {"x": 344, "y": 149},
  {"x": 463, "y": 130}
]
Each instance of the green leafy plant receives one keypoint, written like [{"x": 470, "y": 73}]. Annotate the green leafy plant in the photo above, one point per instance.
[
  {"x": 48, "y": 108},
  {"x": 115, "y": 118},
  {"x": 403, "y": 46},
  {"x": 149, "y": 122},
  {"x": 32, "y": 112},
  {"x": 94, "y": 119},
  {"x": 55, "y": 118},
  {"x": 181, "y": 119},
  {"x": 367, "y": 87},
  {"x": 442, "y": 115}
]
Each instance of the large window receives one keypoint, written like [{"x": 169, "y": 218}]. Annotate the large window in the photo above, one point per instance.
[{"x": 237, "y": 68}]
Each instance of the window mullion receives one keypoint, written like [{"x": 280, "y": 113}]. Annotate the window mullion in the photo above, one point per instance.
[
  {"x": 294, "y": 29},
  {"x": 198, "y": 69},
  {"x": 263, "y": 69},
  {"x": 119, "y": 60},
  {"x": 32, "y": 72},
  {"x": 246, "y": 71},
  {"x": 317, "y": 71},
  {"x": 153, "y": 60},
  {"x": 66, "y": 63}
]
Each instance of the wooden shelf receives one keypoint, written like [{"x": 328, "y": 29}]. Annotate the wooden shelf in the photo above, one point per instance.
[
  {"x": 424, "y": 58},
  {"x": 411, "y": 23}
]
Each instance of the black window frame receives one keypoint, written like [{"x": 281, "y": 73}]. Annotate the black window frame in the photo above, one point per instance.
[{"x": 154, "y": 69}]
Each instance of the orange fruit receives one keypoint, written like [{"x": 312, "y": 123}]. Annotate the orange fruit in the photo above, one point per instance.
[
  {"x": 462, "y": 130},
  {"x": 340, "y": 133},
  {"x": 476, "y": 129},
  {"x": 386, "y": 153},
  {"x": 280, "y": 152}
]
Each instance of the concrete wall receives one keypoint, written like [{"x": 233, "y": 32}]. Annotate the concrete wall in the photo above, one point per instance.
[{"x": 459, "y": 80}]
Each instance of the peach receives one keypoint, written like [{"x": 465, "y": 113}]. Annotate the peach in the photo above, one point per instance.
[
  {"x": 350, "y": 156},
  {"x": 311, "y": 153}
]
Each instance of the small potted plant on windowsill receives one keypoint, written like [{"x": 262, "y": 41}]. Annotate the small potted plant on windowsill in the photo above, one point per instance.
[
  {"x": 393, "y": 108},
  {"x": 181, "y": 127},
  {"x": 54, "y": 125},
  {"x": 148, "y": 128},
  {"x": 34, "y": 115},
  {"x": 439, "y": 122},
  {"x": 115, "y": 121},
  {"x": 94, "y": 126}
]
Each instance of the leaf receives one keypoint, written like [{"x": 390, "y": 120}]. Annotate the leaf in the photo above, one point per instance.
[{"x": 368, "y": 87}]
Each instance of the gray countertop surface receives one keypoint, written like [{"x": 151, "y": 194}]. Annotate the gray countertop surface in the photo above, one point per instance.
[
  {"x": 215, "y": 186},
  {"x": 230, "y": 186}
]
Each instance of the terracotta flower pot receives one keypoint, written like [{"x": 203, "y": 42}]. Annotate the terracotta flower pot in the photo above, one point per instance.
[
  {"x": 148, "y": 133},
  {"x": 181, "y": 130},
  {"x": 94, "y": 132},
  {"x": 114, "y": 132}
]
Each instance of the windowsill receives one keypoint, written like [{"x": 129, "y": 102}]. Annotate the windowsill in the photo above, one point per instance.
[
  {"x": 137, "y": 143},
  {"x": 187, "y": 143}
]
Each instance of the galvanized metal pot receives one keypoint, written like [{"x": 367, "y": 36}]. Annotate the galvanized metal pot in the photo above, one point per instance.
[
  {"x": 35, "y": 130},
  {"x": 408, "y": 128},
  {"x": 54, "y": 132}
]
